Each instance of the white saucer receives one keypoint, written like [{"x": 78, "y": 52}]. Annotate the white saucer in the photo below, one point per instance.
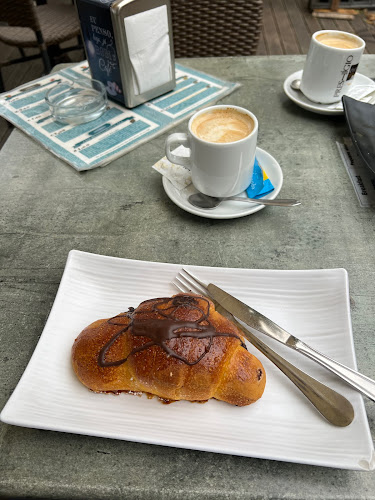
[
  {"x": 322, "y": 109},
  {"x": 229, "y": 209}
]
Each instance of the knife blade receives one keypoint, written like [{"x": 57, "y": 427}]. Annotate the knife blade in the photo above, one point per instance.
[
  {"x": 332, "y": 405},
  {"x": 262, "y": 324},
  {"x": 250, "y": 316}
]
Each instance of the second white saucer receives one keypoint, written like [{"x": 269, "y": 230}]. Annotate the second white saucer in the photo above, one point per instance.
[{"x": 322, "y": 109}]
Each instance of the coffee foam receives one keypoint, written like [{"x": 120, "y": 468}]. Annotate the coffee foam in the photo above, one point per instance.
[
  {"x": 222, "y": 125},
  {"x": 338, "y": 40}
]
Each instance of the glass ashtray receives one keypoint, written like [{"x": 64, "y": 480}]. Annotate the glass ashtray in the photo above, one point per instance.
[{"x": 79, "y": 101}]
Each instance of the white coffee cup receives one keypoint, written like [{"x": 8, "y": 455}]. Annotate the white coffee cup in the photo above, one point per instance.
[
  {"x": 218, "y": 168},
  {"x": 330, "y": 65}
]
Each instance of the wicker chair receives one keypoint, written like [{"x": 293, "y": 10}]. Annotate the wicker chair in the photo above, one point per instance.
[
  {"x": 207, "y": 28},
  {"x": 23, "y": 24}
]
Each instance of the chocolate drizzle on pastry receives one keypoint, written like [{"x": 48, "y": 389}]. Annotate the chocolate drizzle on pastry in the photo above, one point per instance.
[{"x": 164, "y": 327}]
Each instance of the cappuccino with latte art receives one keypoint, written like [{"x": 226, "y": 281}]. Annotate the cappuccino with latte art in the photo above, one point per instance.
[
  {"x": 339, "y": 40},
  {"x": 222, "y": 125}
]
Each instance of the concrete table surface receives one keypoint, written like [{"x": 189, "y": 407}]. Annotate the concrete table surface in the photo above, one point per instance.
[{"x": 47, "y": 209}]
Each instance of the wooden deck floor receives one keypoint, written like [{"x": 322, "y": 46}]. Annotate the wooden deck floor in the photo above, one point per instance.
[
  {"x": 287, "y": 28},
  {"x": 289, "y": 24}
]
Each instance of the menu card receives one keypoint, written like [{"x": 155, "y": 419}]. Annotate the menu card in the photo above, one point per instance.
[
  {"x": 362, "y": 178},
  {"x": 119, "y": 129}
]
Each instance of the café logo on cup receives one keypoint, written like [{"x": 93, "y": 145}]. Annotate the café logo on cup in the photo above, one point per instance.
[{"x": 347, "y": 74}]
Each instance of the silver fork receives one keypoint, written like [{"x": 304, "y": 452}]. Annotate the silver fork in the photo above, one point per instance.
[{"x": 332, "y": 405}]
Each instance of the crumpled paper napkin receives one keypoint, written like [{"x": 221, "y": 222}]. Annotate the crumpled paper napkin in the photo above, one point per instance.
[
  {"x": 363, "y": 93},
  {"x": 180, "y": 176}
]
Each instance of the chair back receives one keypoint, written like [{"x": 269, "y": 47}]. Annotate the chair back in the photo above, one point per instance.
[
  {"x": 19, "y": 13},
  {"x": 209, "y": 28}
]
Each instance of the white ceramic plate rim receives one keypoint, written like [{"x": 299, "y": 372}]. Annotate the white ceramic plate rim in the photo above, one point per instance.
[
  {"x": 230, "y": 209},
  {"x": 50, "y": 397},
  {"x": 297, "y": 96}
]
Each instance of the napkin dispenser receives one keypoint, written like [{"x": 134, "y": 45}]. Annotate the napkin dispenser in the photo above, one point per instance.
[{"x": 129, "y": 47}]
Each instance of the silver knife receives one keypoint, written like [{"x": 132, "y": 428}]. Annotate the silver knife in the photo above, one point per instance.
[
  {"x": 262, "y": 324},
  {"x": 332, "y": 405}
]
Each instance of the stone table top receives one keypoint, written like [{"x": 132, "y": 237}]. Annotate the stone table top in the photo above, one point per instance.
[{"x": 47, "y": 209}]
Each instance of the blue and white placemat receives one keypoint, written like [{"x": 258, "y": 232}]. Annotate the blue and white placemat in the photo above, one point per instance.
[{"x": 119, "y": 129}]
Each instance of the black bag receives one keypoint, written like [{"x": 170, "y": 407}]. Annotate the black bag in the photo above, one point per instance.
[{"x": 360, "y": 118}]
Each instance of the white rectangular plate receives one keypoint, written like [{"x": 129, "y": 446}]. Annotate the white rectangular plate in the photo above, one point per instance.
[{"x": 282, "y": 425}]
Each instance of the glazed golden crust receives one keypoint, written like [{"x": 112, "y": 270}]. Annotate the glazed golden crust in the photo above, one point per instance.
[{"x": 173, "y": 370}]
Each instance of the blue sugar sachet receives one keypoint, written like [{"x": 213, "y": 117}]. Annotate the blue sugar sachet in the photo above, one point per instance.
[{"x": 260, "y": 183}]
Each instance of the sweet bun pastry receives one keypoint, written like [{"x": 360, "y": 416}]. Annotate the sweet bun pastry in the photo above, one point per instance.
[{"x": 175, "y": 348}]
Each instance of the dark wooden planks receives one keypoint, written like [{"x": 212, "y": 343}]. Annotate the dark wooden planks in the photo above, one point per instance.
[
  {"x": 366, "y": 31},
  {"x": 262, "y": 49},
  {"x": 297, "y": 20},
  {"x": 272, "y": 38},
  {"x": 285, "y": 28},
  {"x": 311, "y": 22},
  {"x": 289, "y": 24}
]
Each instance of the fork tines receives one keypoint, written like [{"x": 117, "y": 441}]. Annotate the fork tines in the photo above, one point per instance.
[{"x": 187, "y": 282}]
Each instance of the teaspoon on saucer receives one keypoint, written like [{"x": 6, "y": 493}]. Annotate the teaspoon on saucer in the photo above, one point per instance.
[
  {"x": 201, "y": 200},
  {"x": 296, "y": 84}
]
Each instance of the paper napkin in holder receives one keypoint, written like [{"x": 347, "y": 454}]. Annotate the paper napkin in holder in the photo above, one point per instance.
[
  {"x": 143, "y": 34},
  {"x": 149, "y": 49},
  {"x": 129, "y": 47}
]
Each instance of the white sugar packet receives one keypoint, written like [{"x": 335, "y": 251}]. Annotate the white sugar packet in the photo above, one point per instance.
[
  {"x": 364, "y": 93},
  {"x": 179, "y": 176}
]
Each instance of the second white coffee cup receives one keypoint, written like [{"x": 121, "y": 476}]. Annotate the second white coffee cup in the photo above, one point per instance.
[
  {"x": 330, "y": 65},
  {"x": 217, "y": 168}
]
